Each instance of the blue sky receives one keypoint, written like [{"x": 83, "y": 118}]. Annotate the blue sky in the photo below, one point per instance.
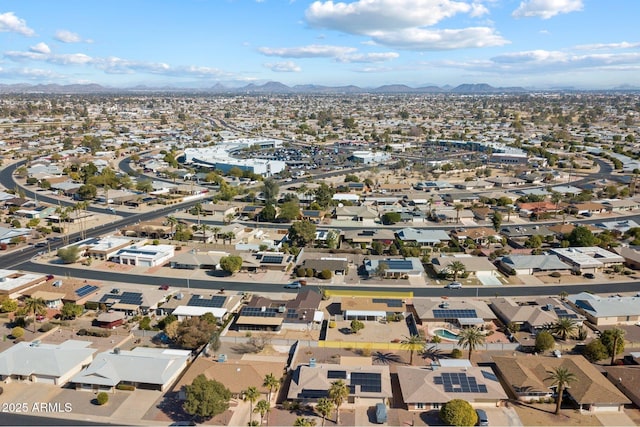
[{"x": 198, "y": 43}]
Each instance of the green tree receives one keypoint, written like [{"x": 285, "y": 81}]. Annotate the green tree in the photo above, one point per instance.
[
  {"x": 595, "y": 351},
  {"x": 324, "y": 408},
  {"x": 71, "y": 311},
  {"x": 88, "y": 192},
  {"x": 304, "y": 422},
  {"x": 564, "y": 327},
  {"x": 471, "y": 338},
  {"x": 581, "y": 236},
  {"x": 544, "y": 342},
  {"x": 270, "y": 191},
  {"x": 9, "y": 305},
  {"x": 338, "y": 393},
  {"x": 496, "y": 220},
  {"x": 613, "y": 340},
  {"x": 34, "y": 306},
  {"x": 391, "y": 218},
  {"x": 268, "y": 213},
  {"x": 206, "y": 398},
  {"x": 560, "y": 377},
  {"x": 289, "y": 211},
  {"x": 251, "y": 394},
  {"x": 324, "y": 194},
  {"x": 458, "y": 412},
  {"x": 231, "y": 264},
  {"x": 69, "y": 255},
  {"x": 356, "y": 326},
  {"x": 412, "y": 344},
  {"x": 194, "y": 332},
  {"x": 301, "y": 233}
]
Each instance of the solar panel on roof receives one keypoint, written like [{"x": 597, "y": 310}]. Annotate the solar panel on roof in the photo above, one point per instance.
[
  {"x": 215, "y": 301},
  {"x": 369, "y": 382},
  {"x": 459, "y": 383},
  {"x": 272, "y": 259},
  {"x": 258, "y": 312},
  {"x": 398, "y": 264},
  {"x": 86, "y": 290},
  {"x": 292, "y": 313},
  {"x": 334, "y": 375},
  {"x": 454, "y": 314}
]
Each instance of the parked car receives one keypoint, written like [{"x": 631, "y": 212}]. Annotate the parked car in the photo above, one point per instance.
[
  {"x": 50, "y": 276},
  {"x": 381, "y": 413},
  {"x": 454, "y": 285},
  {"x": 164, "y": 287},
  {"x": 293, "y": 285},
  {"x": 482, "y": 417},
  {"x": 589, "y": 276}
]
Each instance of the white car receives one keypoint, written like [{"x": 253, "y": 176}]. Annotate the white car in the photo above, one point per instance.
[
  {"x": 454, "y": 285},
  {"x": 293, "y": 285}
]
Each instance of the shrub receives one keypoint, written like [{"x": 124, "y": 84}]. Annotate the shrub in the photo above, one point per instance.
[
  {"x": 102, "y": 398},
  {"x": 458, "y": 412},
  {"x": 555, "y": 274},
  {"x": 325, "y": 274},
  {"x": 456, "y": 353},
  {"x": 301, "y": 272},
  {"x": 17, "y": 332},
  {"x": 309, "y": 272},
  {"x": 332, "y": 324},
  {"x": 46, "y": 327},
  {"x": 125, "y": 387}
]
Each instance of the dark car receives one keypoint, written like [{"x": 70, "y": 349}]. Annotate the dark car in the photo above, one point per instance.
[
  {"x": 164, "y": 287},
  {"x": 589, "y": 276},
  {"x": 50, "y": 276}
]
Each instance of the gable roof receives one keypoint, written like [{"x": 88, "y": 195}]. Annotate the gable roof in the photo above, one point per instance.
[
  {"x": 531, "y": 373},
  {"x": 34, "y": 358}
]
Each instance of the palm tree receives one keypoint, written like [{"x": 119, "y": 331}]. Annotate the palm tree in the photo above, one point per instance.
[
  {"x": 262, "y": 407},
  {"x": 173, "y": 222},
  {"x": 216, "y": 232},
  {"x": 563, "y": 295},
  {"x": 458, "y": 207},
  {"x": 472, "y": 338},
  {"x": 251, "y": 394},
  {"x": 338, "y": 393},
  {"x": 560, "y": 377},
  {"x": 564, "y": 327},
  {"x": 272, "y": 383},
  {"x": 324, "y": 408},
  {"x": 412, "y": 344},
  {"x": 34, "y": 305},
  {"x": 617, "y": 335},
  {"x": 304, "y": 422},
  {"x": 456, "y": 267},
  {"x": 204, "y": 228}
]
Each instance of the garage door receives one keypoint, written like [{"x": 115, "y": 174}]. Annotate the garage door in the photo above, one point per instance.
[{"x": 45, "y": 380}]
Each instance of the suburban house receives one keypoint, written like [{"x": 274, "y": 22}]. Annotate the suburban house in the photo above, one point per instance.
[
  {"x": 527, "y": 378},
  {"x": 192, "y": 260},
  {"x": 426, "y": 389},
  {"x": 13, "y": 282},
  {"x": 631, "y": 256},
  {"x": 532, "y": 315},
  {"x": 602, "y": 311},
  {"x": 438, "y": 312},
  {"x": 367, "y": 237},
  {"x": 144, "y": 256},
  {"x": 142, "y": 367},
  {"x": 219, "y": 209},
  {"x": 625, "y": 205},
  {"x": 264, "y": 314},
  {"x": 368, "y": 384},
  {"x": 104, "y": 248},
  {"x": 627, "y": 379},
  {"x": 109, "y": 319},
  {"x": 36, "y": 362},
  {"x": 423, "y": 237},
  {"x": 396, "y": 268},
  {"x": 129, "y": 301},
  {"x": 587, "y": 208},
  {"x": 363, "y": 214},
  {"x": 588, "y": 259},
  {"x": 528, "y": 265},
  {"x": 236, "y": 375},
  {"x": 479, "y": 267},
  {"x": 374, "y": 309},
  {"x": 8, "y": 234},
  {"x": 480, "y": 236},
  {"x": 337, "y": 266},
  {"x": 185, "y": 305}
]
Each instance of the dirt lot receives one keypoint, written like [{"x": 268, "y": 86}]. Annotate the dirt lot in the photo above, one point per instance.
[{"x": 543, "y": 415}]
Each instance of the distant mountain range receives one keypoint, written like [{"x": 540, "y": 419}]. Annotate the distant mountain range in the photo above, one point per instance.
[{"x": 274, "y": 88}]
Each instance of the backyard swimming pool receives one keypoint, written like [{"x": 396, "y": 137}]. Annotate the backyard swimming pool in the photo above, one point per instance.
[{"x": 446, "y": 334}]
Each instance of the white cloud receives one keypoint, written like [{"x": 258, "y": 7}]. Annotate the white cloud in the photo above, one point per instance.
[
  {"x": 366, "y": 16},
  {"x": 283, "y": 67},
  {"x": 422, "y": 39},
  {"x": 311, "y": 51},
  {"x": 369, "y": 57},
  {"x": 10, "y": 23},
  {"x": 66, "y": 36},
  {"x": 40, "y": 48},
  {"x": 606, "y": 46},
  {"x": 546, "y": 9},
  {"x": 403, "y": 24}
]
